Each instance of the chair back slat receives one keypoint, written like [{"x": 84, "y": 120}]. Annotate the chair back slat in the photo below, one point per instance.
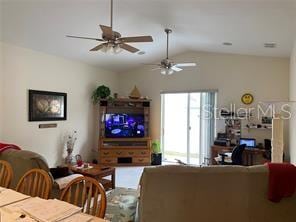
[
  {"x": 6, "y": 174},
  {"x": 95, "y": 206},
  {"x": 89, "y": 197},
  {"x": 76, "y": 195},
  {"x": 35, "y": 183},
  {"x": 87, "y": 193}
]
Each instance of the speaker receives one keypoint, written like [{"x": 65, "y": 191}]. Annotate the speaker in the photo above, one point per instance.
[
  {"x": 267, "y": 144},
  {"x": 103, "y": 103},
  {"x": 156, "y": 159},
  {"x": 146, "y": 104}
]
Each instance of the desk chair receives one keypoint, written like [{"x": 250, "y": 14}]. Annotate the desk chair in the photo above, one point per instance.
[{"x": 236, "y": 156}]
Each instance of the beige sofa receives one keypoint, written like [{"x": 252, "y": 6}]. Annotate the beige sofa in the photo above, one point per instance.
[
  {"x": 210, "y": 194},
  {"x": 23, "y": 161}
]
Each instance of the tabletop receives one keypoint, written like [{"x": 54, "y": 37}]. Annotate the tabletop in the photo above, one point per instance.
[
  {"x": 95, "y": 170},
  {"x": 14, "y": 207}
]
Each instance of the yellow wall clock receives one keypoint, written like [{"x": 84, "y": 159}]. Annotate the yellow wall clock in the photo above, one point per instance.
[{"x": 247, "y": 99}]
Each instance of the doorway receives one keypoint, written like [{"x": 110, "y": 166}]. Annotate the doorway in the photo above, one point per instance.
[{"x": 187, "y": 126}]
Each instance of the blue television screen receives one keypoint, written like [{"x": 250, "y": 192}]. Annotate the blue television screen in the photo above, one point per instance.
[{"x": 124, "y": 125}]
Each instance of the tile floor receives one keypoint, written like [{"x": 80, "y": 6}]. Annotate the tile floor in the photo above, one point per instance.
[{"x": 128, "y": 177}]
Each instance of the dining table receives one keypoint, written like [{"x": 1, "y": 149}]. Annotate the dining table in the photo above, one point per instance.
[{"x": 18, "y": 207}]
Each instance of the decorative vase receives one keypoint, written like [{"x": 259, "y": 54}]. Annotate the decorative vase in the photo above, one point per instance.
[{"x": 69, "y": 157}]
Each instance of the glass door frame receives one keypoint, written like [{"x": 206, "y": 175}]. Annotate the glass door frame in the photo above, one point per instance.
[{"x": 162, "y": 94}]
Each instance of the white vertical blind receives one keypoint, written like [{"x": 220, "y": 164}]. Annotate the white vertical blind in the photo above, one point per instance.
[{"x": 207, "y": 128}]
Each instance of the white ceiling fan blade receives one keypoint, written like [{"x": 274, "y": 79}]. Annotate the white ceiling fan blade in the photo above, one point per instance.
[
  {"x": 176, "y": 69},
  {"x": 158, "y": 68},
  {"x": 186, "y": 64},
  {"x": 150, "y": 64}
]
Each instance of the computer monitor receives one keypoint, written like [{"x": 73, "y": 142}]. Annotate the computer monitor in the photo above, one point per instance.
[{"x": 250, "y": 142}]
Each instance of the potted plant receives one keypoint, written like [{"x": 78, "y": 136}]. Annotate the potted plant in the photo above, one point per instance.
[
  {"x": 156, "y": 156},
  {"x": 102, "y": 92}
]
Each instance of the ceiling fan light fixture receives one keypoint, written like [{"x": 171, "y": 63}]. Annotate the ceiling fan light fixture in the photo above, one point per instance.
[
  {"x": 166, "y": 71},
  {"x": 117, "y": 49},
  {"x": 111, "y": 48},
  {"x": 163, "y": 71},
  {"x": 105, "y": 48}
]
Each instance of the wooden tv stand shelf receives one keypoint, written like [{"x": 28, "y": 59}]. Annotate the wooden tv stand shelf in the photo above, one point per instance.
[{"x": 125, "y": 151}]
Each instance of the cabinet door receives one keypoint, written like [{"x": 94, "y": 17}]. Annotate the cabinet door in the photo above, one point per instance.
[
  {"x": 141, "y": 160},
  {"x": 140, "y": 153},
  {"x": 109, "y": 160},
  {"x": 113, "y": 153}
]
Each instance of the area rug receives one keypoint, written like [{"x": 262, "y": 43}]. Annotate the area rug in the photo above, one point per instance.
[{"x": 122, "y": 205}]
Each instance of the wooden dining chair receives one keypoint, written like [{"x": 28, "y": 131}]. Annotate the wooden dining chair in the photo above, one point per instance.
[
  {"x": 87, "y": 193},
  {"x": 35, "y": 183},
  {"x": 6, "y": 174}
]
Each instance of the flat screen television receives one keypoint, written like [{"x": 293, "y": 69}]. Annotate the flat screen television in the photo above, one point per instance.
[{"x": 121, "y": 125}]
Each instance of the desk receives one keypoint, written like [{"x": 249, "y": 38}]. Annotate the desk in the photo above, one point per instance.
[
  {"x": 27, "y": 218},
  {"x": 248, "y": 157}
]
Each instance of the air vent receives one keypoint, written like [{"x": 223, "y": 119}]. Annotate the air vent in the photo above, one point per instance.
[
  {"x": 270, "y": 45},
  {"x": 141, "y": 53},
  {"x": 227, "y": 43}
]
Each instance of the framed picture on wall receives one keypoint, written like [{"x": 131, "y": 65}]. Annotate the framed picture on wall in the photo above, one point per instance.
[{"x": 47, "y": 106}]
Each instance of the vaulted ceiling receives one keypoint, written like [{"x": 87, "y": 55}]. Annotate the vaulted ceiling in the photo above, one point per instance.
[{"x": 201, "y": 25}]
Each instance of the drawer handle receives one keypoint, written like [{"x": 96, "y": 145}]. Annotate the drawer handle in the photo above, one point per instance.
[
  {"x": 143, "y": 152},
  {"x": 118, "y": 153},
  {"x": 130, "y": 153},
  {"x": 141, "y": 160},
  {"x": 108, "y": 161},
  {"x": 106, "y": 153}
]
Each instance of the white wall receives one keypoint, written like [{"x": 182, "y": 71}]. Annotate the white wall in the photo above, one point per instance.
[
  {"x": 1, "y": 74},
  {"x": 26, "y": 69},
  {"x": 1, "y": 91},
  {"x": 266, "y": 78},
  {"x": 293, "y": 98},
  {"x": 233, "y": 75}
]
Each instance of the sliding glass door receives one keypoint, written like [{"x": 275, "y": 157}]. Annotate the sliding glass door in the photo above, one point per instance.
[{"x": 187, "y": 126}]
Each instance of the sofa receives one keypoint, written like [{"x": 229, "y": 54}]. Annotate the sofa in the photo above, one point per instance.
[
  {"x": 210, "y": 194},
  {"x": 121, "y": 202},
  {"x": 23, "y": 161}
]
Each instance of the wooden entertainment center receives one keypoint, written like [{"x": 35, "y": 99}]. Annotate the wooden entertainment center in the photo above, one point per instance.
[{"x": 125, "y": 151}]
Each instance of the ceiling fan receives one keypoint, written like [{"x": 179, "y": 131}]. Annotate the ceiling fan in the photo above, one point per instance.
[
  {"x": 166, "y": 65},
  {"x": 112, "y": 40}
]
